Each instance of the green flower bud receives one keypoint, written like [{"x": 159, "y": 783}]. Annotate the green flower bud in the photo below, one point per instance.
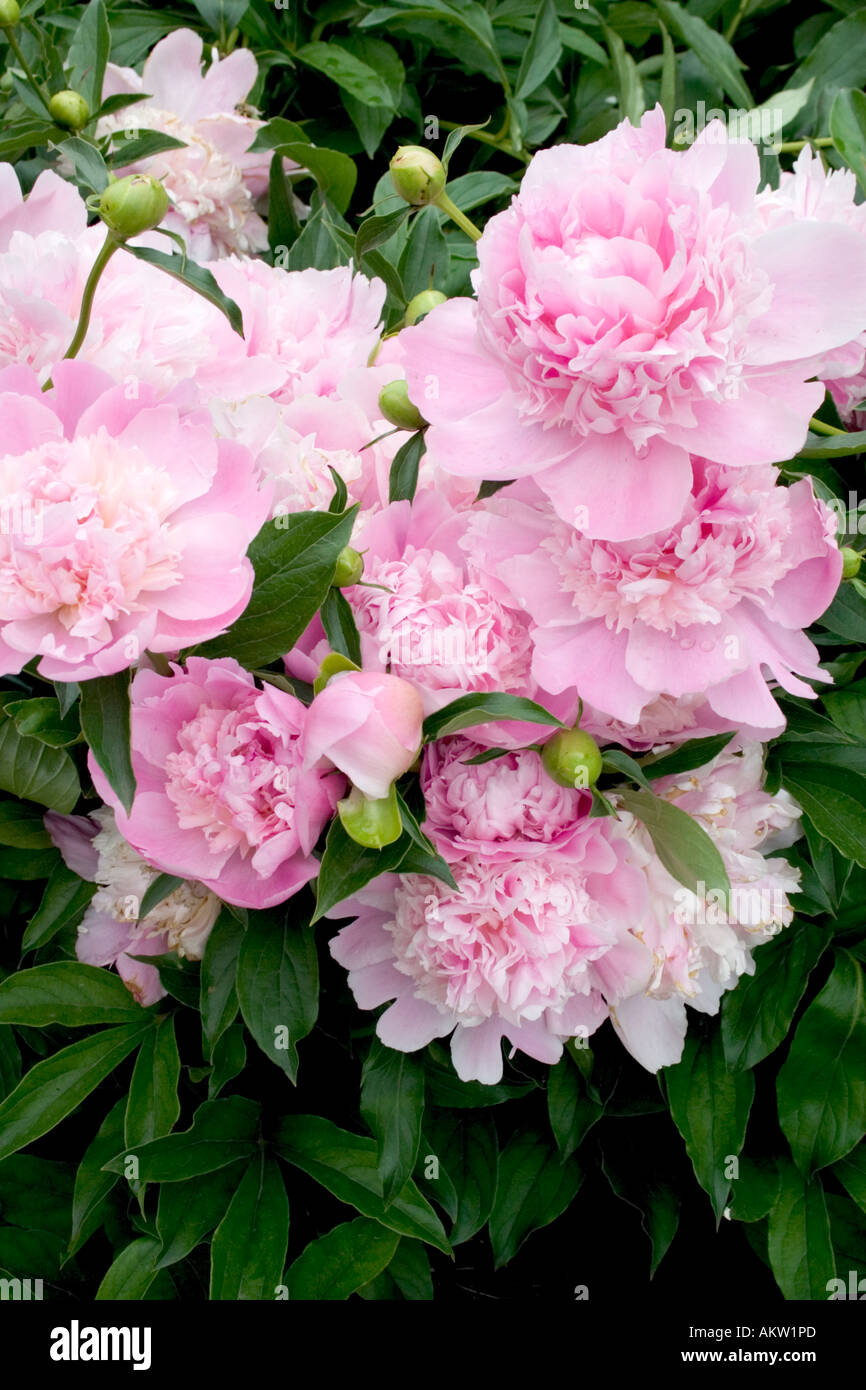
[
  {"x": 10, "y": 13},
  {"x": 373, "y": 824},
  {"x": 422, "y": 304},
  {"x": 69, "y": 109},
  {"x": 133, "y": 204},
  {"x": 851, "y": 560},
  {"x": 572, "y": 758},
  {"x": 350, "y": 567},
  {"x": 417, "y": 174},
  {"x": 333, "y": 662},
  {"x": 395, "y": 405}
]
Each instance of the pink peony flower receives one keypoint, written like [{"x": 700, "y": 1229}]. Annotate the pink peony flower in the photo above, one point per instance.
[
  {"x": 367, "y": 725},
  {"x": 701, "y": 946},
  {"x": 532, "y": 948},
  {"x": 631, "y": 310},
  {"x": 221, "y": 795},
  {"x": 126, "y": 525},
  {"x": 703, "y": 612},
  {"x": 111, "y": 931},
  {"x": 214, "y": 180}
]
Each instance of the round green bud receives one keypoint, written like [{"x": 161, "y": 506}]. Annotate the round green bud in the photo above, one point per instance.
[
  {"x": 69, "y": 109},
  {"x": 350, "y": 567},
  {"x": 417, "y": 174},
  {"x": 572, "y": 758},
  {"x": 396, "y": 407},
  {"x": 422, "y": 304},
  {"x": 10, "y": 13},
  {"x": 133, "y": 204},
  {"x": 851, "y": 560},
  {"x": 372, "y": 823}
]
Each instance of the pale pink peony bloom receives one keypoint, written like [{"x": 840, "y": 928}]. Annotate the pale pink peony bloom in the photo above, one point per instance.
[
  {"x": 366, "y": 724},
  {"x": 702, "y": 946},
  {"x": 214, "y": 180},
  {"x": 221, "y": 794},
  {"x": 712, "y": 608},
  {"x": 631, "y": 310},
  {"x": 126, "y": 525},
  {"x": 531, "y": 948},
  {"x": 111, "y": 931}
]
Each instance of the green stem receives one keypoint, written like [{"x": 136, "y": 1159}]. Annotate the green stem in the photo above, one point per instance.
[
  {"x": 496, "y": 142},
  {"x": 795, "y": 146},
  {"x": 818, "y": 427},
  {"x": 25, "y": 68},
  {"x": 453, "y": 211},
  {"x": 106, "y": 251},
  {"x": 742, "y": 11}
]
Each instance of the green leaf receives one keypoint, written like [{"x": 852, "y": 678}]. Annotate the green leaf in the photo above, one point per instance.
[
  {"x": 403, "y": 478},
  {"x": 542, "y": 53},
  {"x": 683, "y": 846},
  {"x": 425, "y": 258},
  {"x": 468, "y": 710},
  {"x": 157, "y": 892},
  {"x": 846, "y": 616},
  {"x": 848, "y": 129},
  {"x": 56, "y": 1086},
  {"x": 221, "y": 1132},
  {"x": 616, "y": 760},
  {"x": 349, "y": 72},
  {"x": 824, "y": 446},
  {"x": 821, "y": 1087},
  {"x": 10, "y": 1062},
  {"x": 35, "y": 1194},
  {"x": 571, "y": 1112},
  {"x": 444, "y": 1088},
  {"x": 219, "y": 1001},
  {"x": 757, "y": 1014},
  {"x": 22, "y": 827},
  {"x": 376, "y": 230},
  {"x": 88, "y": 54},
  {"x": 756, "y": 1189},
  {"x": 105, "y": 719},
  {"x": 90, "y": 168},
  {"x": 67, "y": 695},
  {"x": 632, "y": 103},
  {"x": 32, "y": 770},
  {"x": 92, "y": 1185},
  {"x": 801, "y": 1255},
  {"x": 335, "y": 173},
  {"x": 341, "y": 1262},
  {"x": 837, "y": 60},
  {"x": 41, "y": 718},
  {"x": 851, "y": 1172},
  {"x": 222, "y": 15},
  {"x": 835, "y": 802},
  {"x": 346, "y": 1164},
  {"x": 278, "y": 984},
  {"x": 714, "y": 51},
  {"x": 189, "y": 1210},
  {"x": 694, "y": 753},
  {"x": 338, "y": 620},
  {"x": 195, "y": 277},
  {"x": 294, "y": 558},
  {"x": 283, "y": 225},
  {"x": 153, "y": 1106},
  {"x": 534, "y": 1188},
  {"x": 466, "y": 1151},
  {"x": 132, "y": 1273},
  {"x": 346, "y": 866},
  {"x": 129, "y": 148},
  {"x": 392, "y": 1104},
  {"x": 229, "y": 1058},
  {"x": 66, "y": 992},
  {"x": 653, "y": 1196},
  {"x": 248, "y": 1252},
  {"x": 710, "y": 1107}
]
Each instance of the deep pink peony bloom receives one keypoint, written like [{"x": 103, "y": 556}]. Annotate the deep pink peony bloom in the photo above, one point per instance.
[
  {"x": 221, "y": 794},
  {"x": 126, "y": 525},
  {"x": 632, "y": 309},
  {"x": 708, "y": 610},
  {"x": 368, "y": 725},
  {"x": 213, "y": 181}
]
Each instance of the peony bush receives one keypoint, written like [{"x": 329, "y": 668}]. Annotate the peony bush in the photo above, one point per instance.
[{"x": 432, "y": 741}]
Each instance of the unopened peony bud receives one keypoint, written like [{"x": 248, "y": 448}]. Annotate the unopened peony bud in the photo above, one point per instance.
[
  {"x": 69, "y": 109},
  {"x": 851, "y": 561},
  {"x": 367, "y": 724},
  {"x": 422, "y": 304},
  {"x": 572, "y": 758},
  {"x": 396, "y": 407},
  {"x": 350, "y": 567},
  {"x": 133, "y": 204},
  {"x": 417, "y": 174},
  {"x": 369, "y": 822},
  {"x": 10, "y": 13}
]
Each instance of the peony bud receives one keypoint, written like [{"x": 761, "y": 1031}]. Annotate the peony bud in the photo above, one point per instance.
[
  {"x": 395, "y": 405},
  {"x": 422, "y": 304},
  {"x": 366, "y": 724},
  {"x": 572, "y": 758},
  {"x": 350, "y": 567},
  {"x": 10, "y": 13},
  {"x": 851, "y": 560},
  {"x": 133, "y": 204},
  {"x": 373, "y": 823},
  {"x": 69, "y": 109},
  {"x": 417, "y": 174}
]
